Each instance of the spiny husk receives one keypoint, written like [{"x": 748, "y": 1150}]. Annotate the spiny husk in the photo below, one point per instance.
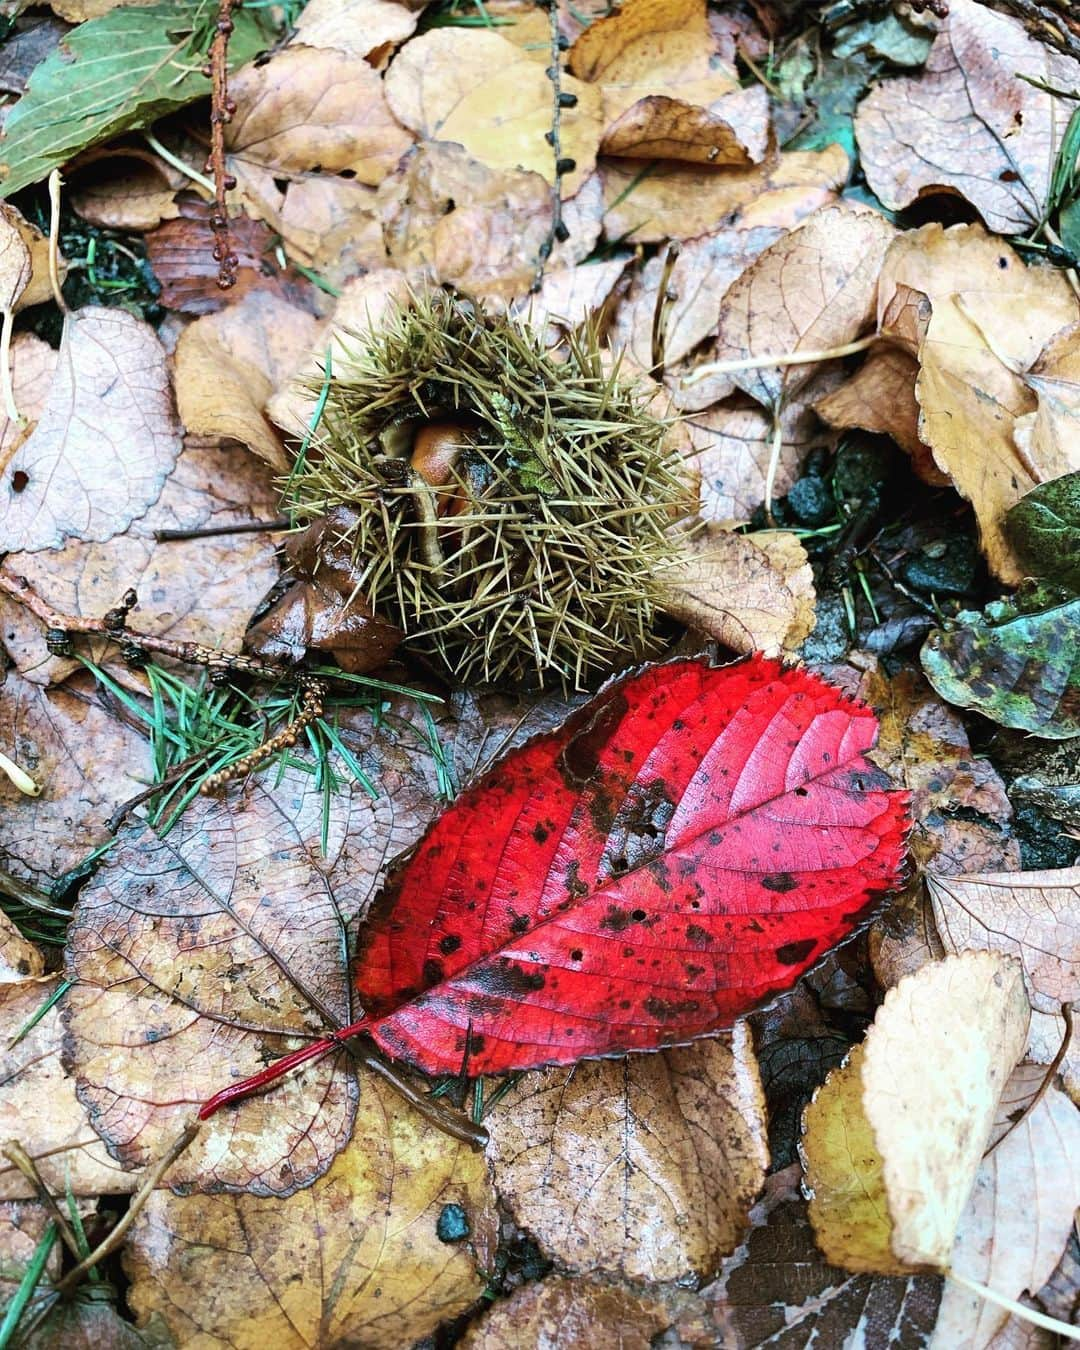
[{"x": 570, "y": 494}]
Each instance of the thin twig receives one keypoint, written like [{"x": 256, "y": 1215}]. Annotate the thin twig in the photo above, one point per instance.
[
  {"x": 214, "y": 531},
  {"x": 55, "y": 183},
  {"x": 779, "y": 359},
  {"x": 5, "y": 367},
  {"x": 664, "y": 300},
  {"x": 558, "y": 233},
  {"x": 18, "y": 1156},
  {"x": 1051, "y": 1072},
  {"x": 222, "y": 108}
]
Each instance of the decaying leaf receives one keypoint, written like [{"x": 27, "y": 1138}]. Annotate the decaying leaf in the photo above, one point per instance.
[
  {"x": 38, "y": 1106},
  {"x": 752, "y": 592},
  {"x": 642, "y": 1168},
  {"x": 106, "y": 439},
  {"x": 978, "y": 121},
  {"x": 482, "y": 92},
  {"x": 362, "y": 1257},
  {"x": 198, "y": 957},
  {"x": 33, "y": 367},
  {"x": 1049, "y": 436},
  {"x": 228, "y": 365},
  {"x": 1022, "y": 670},
  {"x": 1044, "y": 529},
  {"x": 990, "y": 318},
  {"x": 893, "y": 1140},
  {"x": 1034, "y": 916},
  {"x": 369, "y": 29},
  {"x": 85, "y": 762},
  {"x": 310, "y": 108},
  {"x": 564, "y": 1314}
]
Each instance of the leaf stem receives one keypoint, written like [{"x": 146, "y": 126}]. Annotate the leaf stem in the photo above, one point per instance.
[
  {"x": 55, "y": 184},
  {"x": 5, "y": 366},
  {"x": 805, "y": 358},
  {"x": 1020, "y": 1310}
]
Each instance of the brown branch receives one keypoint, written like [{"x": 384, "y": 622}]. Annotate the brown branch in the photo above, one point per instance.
[
  {"x": 222, "y": 109},
  {"x": 558, "y": 233}
]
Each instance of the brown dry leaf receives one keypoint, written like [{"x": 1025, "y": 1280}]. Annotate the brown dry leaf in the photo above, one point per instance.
[
  {"x": 1051, "y": 434},
  {"x": 1019, "y": 1215},
  {"x": 194, "y": 590},
  {"x": 732, "y": 131},
  {"x": 368, "y": 29},
  {"x": 38, "y": 288},
  {"x": 85, "y": 762},
  {"x": 730, "y": 449},
  {"x": 129, "y": 189},
  {"x": 813, "y": 289},
  {"x": 352, "y": 1260},
  {"x": 228, "y": 365},
  {"x": 971, "y": 122},
  {"x": 20, "y": 960},
  {"x": 880, "y": 397},
  {"x": 959, "y": 808},
  {"x": 105, "y": 441},
  {"x": 21, "y": 1228},
  {"x": 679, "y": 201},
  {"x": 565, "y": 1314},
  {"x": 482, "y": 92},
  {"x": 752, "y": 592},
  {"x": 15, "y": 263},
  {"x": 33, "y": 367},
  {"x": 310, "y": 108},
  {"x": 1034, "y": 916},
  {"x": 643, "y": 1167},
  {"x": 991, "y": 317},
  {"x": 38, "y": 1106},
  {"x": 200, "y": 957},
  {"x": 702, "y": 272},
  {"x": 329, "y": 224},
  {"x": 778, "y": 1290},
  {"x": 571, "y": 296},
  {"x": 889, "y": 1190}
]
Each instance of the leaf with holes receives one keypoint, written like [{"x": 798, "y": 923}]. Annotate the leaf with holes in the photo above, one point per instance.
[{"x": 681, "y": 850}]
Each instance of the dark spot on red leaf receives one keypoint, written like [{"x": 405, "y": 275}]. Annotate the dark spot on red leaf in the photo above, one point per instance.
[
  {"x": 616, "y": 919},
  {"x": 794, "y": 953},
  {"x": 508, "y": 979},
  {"x": 449, "y": 944},
  {"x": 577, "y": 954},
  {"x": 433, "y": 971},
  {"x": 697, "y": 935},
  {"x": 667, "y": 1010},
  {"x": 779, "y": 881}
]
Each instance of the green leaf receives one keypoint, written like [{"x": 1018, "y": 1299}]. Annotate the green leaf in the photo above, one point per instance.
[
  {"x": 110, "y": 74},
  {"x": 1044, "y": 529},
  {"x": 1022, "y": 670}
]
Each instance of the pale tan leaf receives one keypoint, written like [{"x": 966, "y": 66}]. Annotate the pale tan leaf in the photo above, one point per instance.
[
  {"x": 310, "y": 108},
  {"x": 106, "y": 439},
  {"x": 1034, "y": 916},
  {"x": 362, "y": 28},
  {"x": 15, "y": 264},
  {"x": 1049, "y": 437},
  {"x": 971, "y": 122},
  {"x": 38, "y": 287},
  {"x": 131, "y": 190},
  {"x": 353, "y": 1260},
  {"x": 482, "y": 92},
  {"x": 330, "y": 224},
  {"x": 733, "y": 131},
  {"x": 33, "y": 366},
  {"x": 643, "y": 1167},
  {"x": 569, "y": 297},
  {"x": 229, "y": 364},
  {"x": 565, "y": 1314},
  {"x": 681, "y": 201},
  {"x": 20, "y": 960}
]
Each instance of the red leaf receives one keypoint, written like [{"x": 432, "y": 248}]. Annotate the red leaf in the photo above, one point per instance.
[{"x": 681, "y": 850}]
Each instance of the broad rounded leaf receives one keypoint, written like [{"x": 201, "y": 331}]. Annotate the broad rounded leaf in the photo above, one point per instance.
[{"x": 685, "y": 847}]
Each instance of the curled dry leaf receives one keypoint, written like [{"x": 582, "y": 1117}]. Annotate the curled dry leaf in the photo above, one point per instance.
[
  {"x": 15, "y": 264},
  {"x": 565, "y": 1314},
  {"x": 680, "y": 201},
  {"x": 812, "y": 290},
  {"x": 991, "y": 317},
  {"x": 106, "y": 439},
  {"x": 1050, "y": 435},
  {"x": 752, "y": 592},
  {"x": 355, "y": 1259},
  {"x": 37, "y": 288},
  {"x": 893, "y": 1140},
  {"x": 195, "y": 590},
  {"x": 484, "y": 93},
  {"x": 86, "y": 763},
  {"x": 732, "y": 131},
  {"x": 129, "y": 190},
  {"x": 228, "y": 365},
  {"x": 198, "y": 957},
  {"x": 642, "y": 1168},
  {"x": 310, "y": 108},
  {"x": 1034, "y": 916},
  {"x": 367, "y": 29},
  {"x": 38, "y": 1105},
  {"x": 975, "y": 121}
]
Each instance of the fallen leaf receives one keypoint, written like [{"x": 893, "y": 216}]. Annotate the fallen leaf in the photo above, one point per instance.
[
  {"x": 194, "y": 590},
  {"x": 620, "y": 807},
  {"x": 367, "y": 29},
  {"x": 972, "y": 122},
  {"x": 1018, "y": 1217},
  {"x": 106, "y": 439},
  {"x": 453, "y": 84},
  {"x": 571, "y": 296},
  {"x": 38, "y": 289},
  {"x": 1034, "y": 916},
  {"x": 1048, "y": 436},
  {"x": 778, "y": 1290},
  {"x": 734, "y": 130},
  {"x": 814, "y": 289},
  {"x": 355, "y": 1259},
  {"x": 38, "y": 1105},
  {"x": 85, "y": 762},
  {"x": 81, "y": 1325},
  {"x": 22, "y": 1226},
  {"x": 20, "y": 960},
  {"x": 564, "y": 1314},
  {"x": 229, "y": 364},
  {"x": 33, "y": 37},
  {"x": 33, "y": 367},
  {"x": 670, "y": 200},
  {"x": 329, "y": 224},
  {"x": 752, "y": 592},
  {"x": 15, "y": 265},
  {"x": 991, "y": 317},
  {"x": 129, "y": 190},
  {"x": 310, "y": 108},
  {"x": 241, "y": 954},
  {"x": 1022, "y": 670},
  {"x": 1044, "y": 529},
  {"x": 642, "y": 1168},
  {"x": 893, "y": 1140},
  {"x": 961, "y": 814}
]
